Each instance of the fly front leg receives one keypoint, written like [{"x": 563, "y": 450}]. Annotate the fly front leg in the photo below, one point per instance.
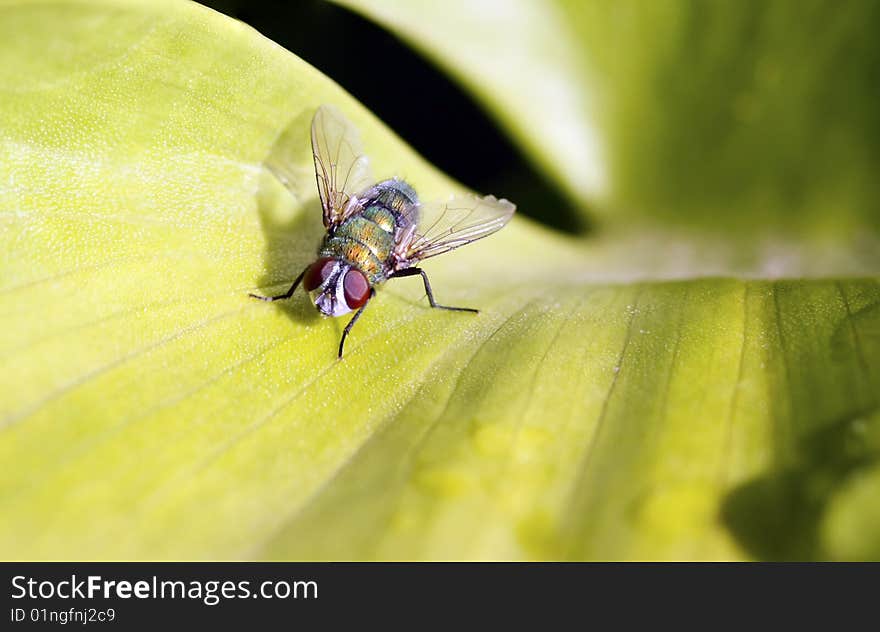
[
  {"x": 287, "y": 294},
  {"x": 414, "y": 271},
  {"x": 353, "y": 321}
]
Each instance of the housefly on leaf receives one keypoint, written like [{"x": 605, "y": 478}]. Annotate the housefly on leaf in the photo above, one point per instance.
[{"x": 378, "y": 231}]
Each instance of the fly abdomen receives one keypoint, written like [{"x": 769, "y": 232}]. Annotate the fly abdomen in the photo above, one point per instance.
[{"x": 384, "y": 218}]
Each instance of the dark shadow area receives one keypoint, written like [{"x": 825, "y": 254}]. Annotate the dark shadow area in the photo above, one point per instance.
[
  {"x": 864, "y": 320},
  {"x": 290, "y": 247},
  {"x": 777, "y": 517},
  {"x": 292, "y": 240},
  {"x": 406, "y": 91}
]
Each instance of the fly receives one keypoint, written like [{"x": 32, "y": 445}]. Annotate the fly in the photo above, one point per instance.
[{"x": 378, "y": 231}]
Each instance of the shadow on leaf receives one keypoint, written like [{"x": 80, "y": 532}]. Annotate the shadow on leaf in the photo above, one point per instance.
[
  {"x": 779, "y": 516},
  {"x": 290, "y": 217}
]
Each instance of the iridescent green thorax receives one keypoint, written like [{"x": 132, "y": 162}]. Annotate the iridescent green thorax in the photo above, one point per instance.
[{"x": 366, "y": 240}]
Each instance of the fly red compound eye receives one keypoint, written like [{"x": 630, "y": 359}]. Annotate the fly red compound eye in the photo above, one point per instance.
[
  {"x": 318, "y": 273},
  {"x": 356, "y": 287}
]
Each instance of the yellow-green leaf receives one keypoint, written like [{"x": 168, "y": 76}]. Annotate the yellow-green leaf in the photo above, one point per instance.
[{"x": 605, "y": 403}]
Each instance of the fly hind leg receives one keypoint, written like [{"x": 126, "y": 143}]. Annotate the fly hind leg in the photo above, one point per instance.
[{"x": 414, "y": 271}]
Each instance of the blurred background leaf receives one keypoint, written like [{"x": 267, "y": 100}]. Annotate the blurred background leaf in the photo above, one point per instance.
[
  {"x": 608, "y": 403},
  {"x": 726, "y": 114}
]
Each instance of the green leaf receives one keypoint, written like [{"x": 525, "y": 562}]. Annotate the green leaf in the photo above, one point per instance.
[
  {"x": 605, "y": 403},
  {"x": 737, "y": 115}
]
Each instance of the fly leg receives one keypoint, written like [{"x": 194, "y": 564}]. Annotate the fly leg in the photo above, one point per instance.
[
  {"x": 287, "y": 294},
  {"x": 414, "y": 271},
  {"x": 353, "y": 321}
]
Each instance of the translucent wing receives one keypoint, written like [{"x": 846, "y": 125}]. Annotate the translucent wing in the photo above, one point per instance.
[
  {"x": 455, "y": 222},
  {"x": 288, "y": 169},
  {"x": 341, "y": 168}
]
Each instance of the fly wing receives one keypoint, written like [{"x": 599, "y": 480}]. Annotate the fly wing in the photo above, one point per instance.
[
  {"x": 288, "y": 170},
  {"x": 341, "y": 168},
  {"x": 455, "y": 222}
]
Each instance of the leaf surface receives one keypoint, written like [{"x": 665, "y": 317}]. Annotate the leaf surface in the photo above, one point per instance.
[{"x": 609, "y": 401}]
